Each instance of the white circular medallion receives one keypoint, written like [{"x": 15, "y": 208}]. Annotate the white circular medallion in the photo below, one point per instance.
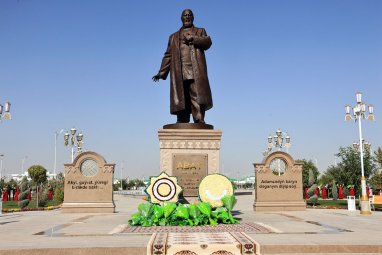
[
  {"x": 164, "y": 189},
  {"x": 278, "y": 166},
  {"x": 89, "y": 168}
]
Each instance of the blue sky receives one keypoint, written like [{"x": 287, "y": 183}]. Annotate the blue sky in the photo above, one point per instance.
[{"x": 273, "y": 64}]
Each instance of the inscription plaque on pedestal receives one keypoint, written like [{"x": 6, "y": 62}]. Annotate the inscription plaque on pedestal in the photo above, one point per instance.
[{"x": 190, "y": 170}]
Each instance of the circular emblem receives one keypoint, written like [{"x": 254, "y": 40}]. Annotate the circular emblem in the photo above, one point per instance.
[
  {"x": 89, "y": 168},
  {"x": 163, "y": 188},
  {"x": 278, "y": 166},
  {"x": 213, "y": 188}
]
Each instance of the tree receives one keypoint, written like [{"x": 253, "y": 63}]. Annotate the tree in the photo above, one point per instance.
[
  {"x": 58, "y": 182},
  {"x": 376, "y": 181},
  {"x": 124, "y": 184},
  {"x": 348, "y": 171},
  {"x": 331, "y": 174},
  {"x": 325, "y": 179},
  {"x": 134, "y": 183},
  {"x": 43, "y": 198},
  {"x": 2, "y": 184},
  {"x": 311, "y": 179},
  {"x": 59, "y": 195},
  {"x": 306, "y": 167},
  {"x": 37, "y": 173},
  {"x": 334, "y": 191},
  {"x": 58, "y": 187},
  {"x": 60, "y": 179},
  {"x": 378, "y": 157}
]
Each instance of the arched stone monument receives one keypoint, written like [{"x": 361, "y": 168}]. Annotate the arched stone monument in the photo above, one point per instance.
[
  {"x": 278, "y": 184},
  {"x": 88, "y": 185}
]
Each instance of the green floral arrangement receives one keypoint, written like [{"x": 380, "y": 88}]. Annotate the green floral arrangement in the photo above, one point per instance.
[{"x": 175, "y": 214}]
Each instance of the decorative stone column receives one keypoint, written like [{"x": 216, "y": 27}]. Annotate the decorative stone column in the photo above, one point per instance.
[
  {"x": 88, "y": 185},
  {"x": 189, "y": 154}
]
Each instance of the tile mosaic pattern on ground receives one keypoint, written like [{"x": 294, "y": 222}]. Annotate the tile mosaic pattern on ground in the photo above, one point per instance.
[{"x": 247, "y": 227}]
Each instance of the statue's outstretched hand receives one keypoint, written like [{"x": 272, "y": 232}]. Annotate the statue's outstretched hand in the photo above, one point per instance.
[{"x": 156, "y": 77}]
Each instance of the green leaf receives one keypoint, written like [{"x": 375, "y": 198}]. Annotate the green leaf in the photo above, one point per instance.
[
  {"x": 158, "y": 211},
  {"x": 145, "y": 209},
  {"x": 184, "y": 222},
  {"x": 162, "y": 222},
  {"x": 182, "y": 212},
  {"x": 146, "y": 222},
  {"x": 205, "y": 208},
  {"x": 215, "y": 213},
  {"x": 194, "y": 211},
  {"x": 135, "y": 219},
  {"x": 224, "y": 217},
  {"x": 168, "y": 209},
  {"x": 233, "y": 220},
  {"x": 229, "y": 202},
  {"x": 173, "y": 220},
  {"x": 212, "y": 222}
]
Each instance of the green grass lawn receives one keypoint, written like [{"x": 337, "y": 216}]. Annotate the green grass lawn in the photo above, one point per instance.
[
  {"x": 341, "y": 204},
  {"x": 32, "y": 204},
  {"x": 336, "y": 203}
]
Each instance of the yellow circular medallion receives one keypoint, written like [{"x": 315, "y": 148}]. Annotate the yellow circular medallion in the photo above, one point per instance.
[{"x": 213, "y": 188}]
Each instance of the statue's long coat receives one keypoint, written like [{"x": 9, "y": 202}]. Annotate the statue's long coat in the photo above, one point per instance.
[{"x": 171, "y": 62}]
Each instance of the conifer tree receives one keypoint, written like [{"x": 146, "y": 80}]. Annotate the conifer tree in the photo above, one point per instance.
[
  {"x": 334, "y": 191},
  {"x": 24, "y": 190}
]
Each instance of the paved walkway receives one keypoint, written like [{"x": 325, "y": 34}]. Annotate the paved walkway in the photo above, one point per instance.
[{"x": 307, "y": 232}]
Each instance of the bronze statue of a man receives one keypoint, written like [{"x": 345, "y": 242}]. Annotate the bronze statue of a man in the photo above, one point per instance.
[{"x": 184, "y": 58}]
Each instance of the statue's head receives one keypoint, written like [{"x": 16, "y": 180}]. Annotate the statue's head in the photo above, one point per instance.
[{"x": 187, "y": 18}]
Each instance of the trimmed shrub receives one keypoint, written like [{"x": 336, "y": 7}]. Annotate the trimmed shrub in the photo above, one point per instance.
[
  {"x": 311, "y": 179},
  {"x": 59, "y": 195},
  {"x": 23, "y": 203},
  {"x": 44, "y": 198},
  {"x": 24, "y": 190},
  {"x": 334, "y": 191},
  {"x": 313, "y": 198}
]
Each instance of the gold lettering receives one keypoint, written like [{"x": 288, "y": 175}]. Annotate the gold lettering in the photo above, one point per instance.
[{"x": 185, "y": 165}]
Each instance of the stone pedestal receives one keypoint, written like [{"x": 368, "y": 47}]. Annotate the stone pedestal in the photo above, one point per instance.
[
  {"x": 279, "y": 184},
  {"x": 189, "y": 154},
  {"x": 88, "y": 185}
]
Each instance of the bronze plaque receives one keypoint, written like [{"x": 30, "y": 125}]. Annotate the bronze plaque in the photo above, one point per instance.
[{"x": 190, "y": 170}]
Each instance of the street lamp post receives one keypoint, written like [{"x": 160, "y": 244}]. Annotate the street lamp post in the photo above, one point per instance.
[
  {"x": 278, "y": 139},
  {"x": 6, "y": 111},
  {"x": 1, "y": 165},
  {"x": 359, "y": 113},
  {"x": 55, "y": 150},
  {"x": 22, "y": 165},
  {"x": 121, "y": 174},
  {"x": 73, "y": 140}
]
